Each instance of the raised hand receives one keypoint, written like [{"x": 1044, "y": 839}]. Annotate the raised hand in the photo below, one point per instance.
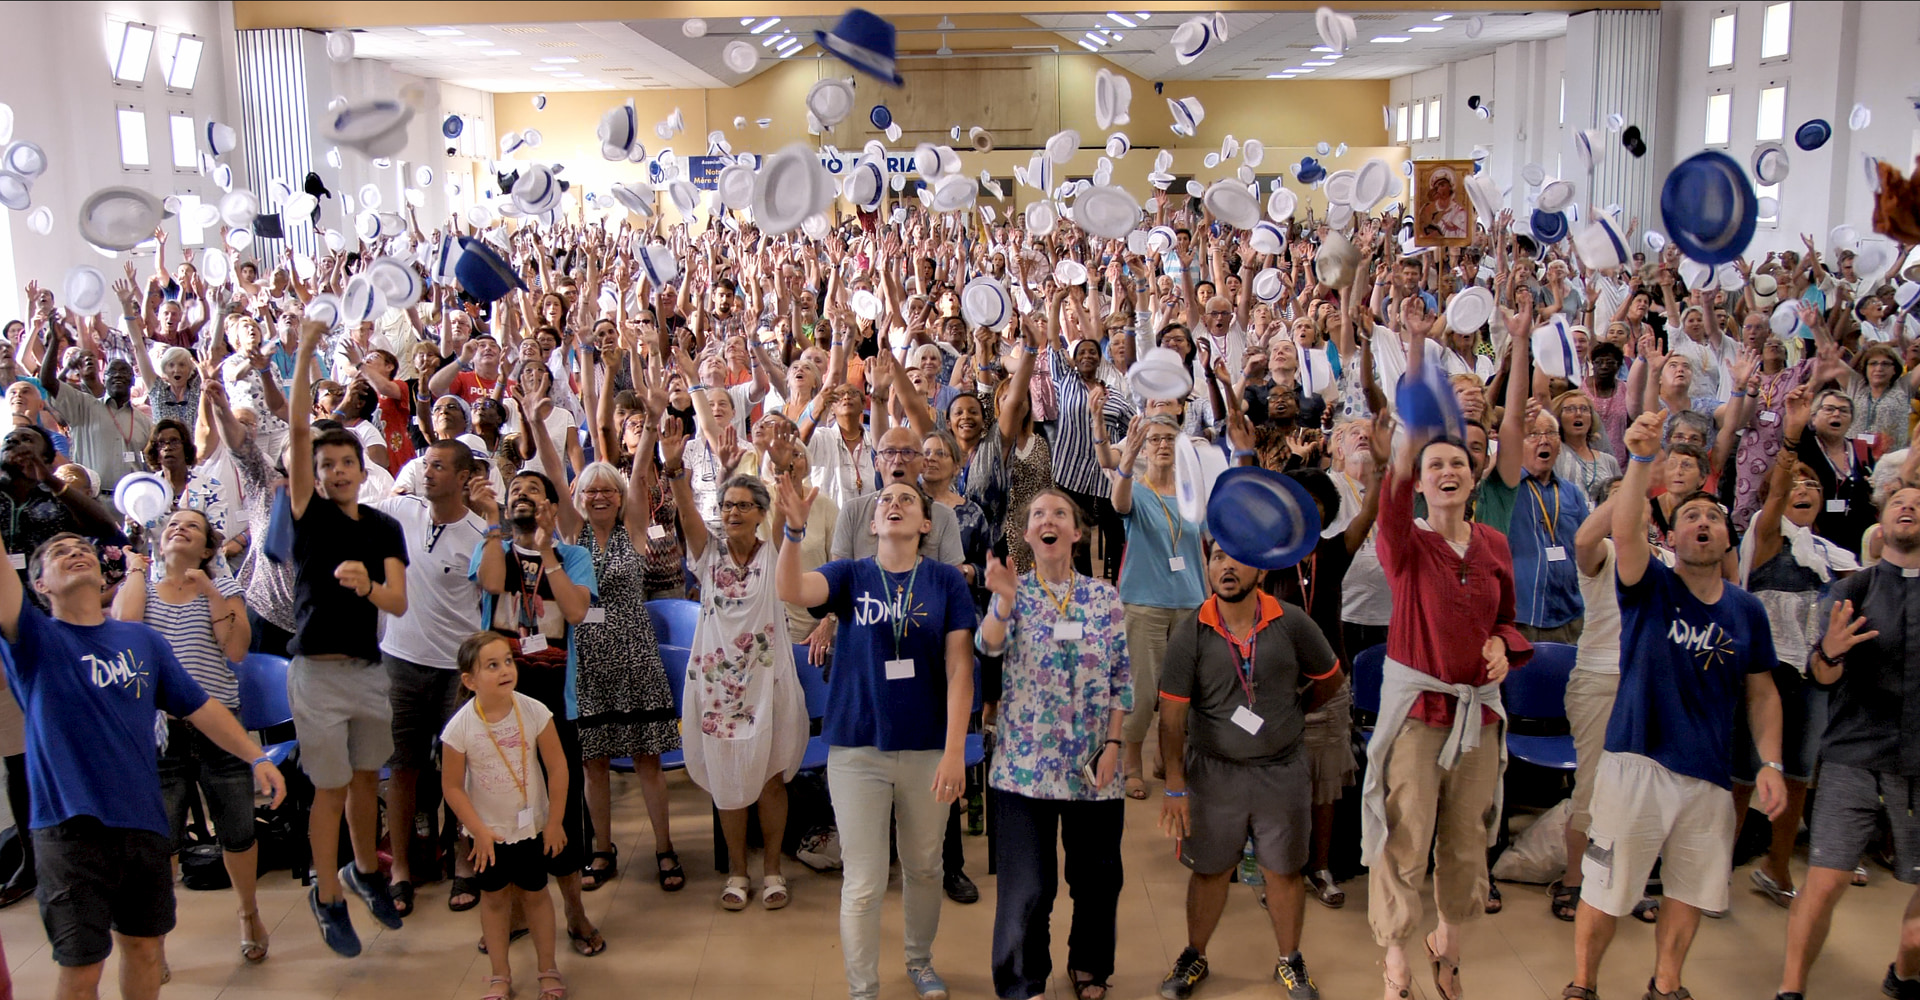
[
  {"x": 1643, "y": 435},
  {"x": 352, "y": 575},
  {"x": 796, "y": 501},
  {"x": 1844, "y": 631},
  {"x": 1002, "y": 580}
]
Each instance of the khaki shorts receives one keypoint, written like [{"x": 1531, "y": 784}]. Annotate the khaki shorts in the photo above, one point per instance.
[
  {"x": 342, "y": 716},
  {"x": 1589, "y": 705},
  {"x": 1643, "y": 812}
]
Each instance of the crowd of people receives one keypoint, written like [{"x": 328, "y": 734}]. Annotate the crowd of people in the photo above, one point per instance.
[{"x": 451, "y": 518}]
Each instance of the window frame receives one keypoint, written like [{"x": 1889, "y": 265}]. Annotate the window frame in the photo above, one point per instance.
[
  {"x": 1433, "y": 118},
  {"x": 1726, "y": 139},
  {"x": 121, "y": 109},
  {"x": 1731, "y": 15},
  {"x": 1759, "y": 108},
  {"x": 1786, "y": 53}
]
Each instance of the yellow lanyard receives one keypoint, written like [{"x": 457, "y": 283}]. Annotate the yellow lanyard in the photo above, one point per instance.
[
  {"x": 1064, "y": 601},
  {"x": 1174, "y": 524},
  {"x": 519, "y": 780},
  {"x": 1550, "y": 520}
]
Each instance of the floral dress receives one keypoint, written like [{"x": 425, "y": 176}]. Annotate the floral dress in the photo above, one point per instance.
[
  {"x": 1057, "y": 696},
  {"x": 626, "y": 705},
  {"x": 744, "y": 715}
]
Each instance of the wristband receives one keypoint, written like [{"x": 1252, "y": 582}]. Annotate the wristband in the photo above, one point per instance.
[
  {"x": 1639, "y": 458},
  {"x": 1113, "y": 743},
  {"x": 1776, "y": 765},
  {"x": 1240, "y": 453},
  {"x": 1126, "y": 473},
  {"x": 792, "y": 535},
  {"x": 679, "y": 473},
  {"x": 1170, "y": 793},
  {"x": 1739, "y": 393},
  {"x": 993, "y": 611},
  {"x": 262, "y": 759}
]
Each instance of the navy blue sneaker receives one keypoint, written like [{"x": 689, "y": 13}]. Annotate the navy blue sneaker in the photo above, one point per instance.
[
  {"x": 336, "y": 927},
  {"x": 373, "y": 890}
]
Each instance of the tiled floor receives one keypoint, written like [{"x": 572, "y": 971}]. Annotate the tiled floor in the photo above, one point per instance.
[{"x": 668, "y": 947}]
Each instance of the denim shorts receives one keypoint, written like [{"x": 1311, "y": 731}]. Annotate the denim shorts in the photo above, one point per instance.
[{"x": 192, "y": 761}]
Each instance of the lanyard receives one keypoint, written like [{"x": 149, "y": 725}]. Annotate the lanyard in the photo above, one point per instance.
[
  {"x": 1307, "y": 571},
  {"x": 1065, "y": 600},
  {"x": 1550, "y": 521},
  {"x": 903, "y": 599},
  {"x": 1243, "y": 661},
  {"x": 1175, "y": 525},
  {"x": 126, "y": 436},
  {"x": 520, "y": 779}
]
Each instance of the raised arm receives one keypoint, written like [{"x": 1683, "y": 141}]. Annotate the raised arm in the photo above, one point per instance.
[
  {"x": 299, "y": 428},
  {"x": 1629, "y": 502},
  {"x": 807, "y": 588},
  {"x": 1513, "y": 422}
]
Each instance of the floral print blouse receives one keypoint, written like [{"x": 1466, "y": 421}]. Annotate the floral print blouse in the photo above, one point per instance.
[{"x": 1057, "y": 695}]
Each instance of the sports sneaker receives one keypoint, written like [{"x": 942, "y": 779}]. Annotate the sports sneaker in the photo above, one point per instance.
[
  {"x": 1900, "y": 989},
  {"x": 927, "y": 983},
  {"x": 336, "y": 927},
  {"x": 820, "y": 850},
  {"x": 1188, "y": 970},
  {"x": 1291, "y": 972},
  {"x": 372, "y": 890}
]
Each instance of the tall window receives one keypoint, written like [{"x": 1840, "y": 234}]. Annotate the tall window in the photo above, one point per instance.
[
  {"x": 185, "y": 155},
  {"x": 1772, "y": 123},
  {"x": 1433, "y": 118},
  {"x": 129, "y": 49},
  {"x": 1776, "y": 31},
  {"x": 1720, "y": 42},
  {"x": 1719, "y": 119},
  {"x": 1769, "y": 197},
  {"x": 133, "y": 137},
  {"x": 1419, "y": 119},
  {"x": 191, "y": 235},
  {"x": 1400, "y": 126}
]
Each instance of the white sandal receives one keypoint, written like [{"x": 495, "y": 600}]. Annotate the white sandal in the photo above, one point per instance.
[
  {"x": 734, "y": 896},
  {"x": 773, "y": 892}
]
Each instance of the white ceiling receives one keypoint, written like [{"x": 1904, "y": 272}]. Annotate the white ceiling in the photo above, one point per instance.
[
  {"x": 656, "y": 54},
  {"x": 1258, "y": 45}
]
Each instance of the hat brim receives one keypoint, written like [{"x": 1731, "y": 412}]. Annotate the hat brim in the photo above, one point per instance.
[
  {"x": 1426, "y": 404},
  {"x": 863, "y": 59},
  {"x": 1262, "y": 518},
  {"x": 1691, "y": 189},
  {"x": 123, "y": 228}
]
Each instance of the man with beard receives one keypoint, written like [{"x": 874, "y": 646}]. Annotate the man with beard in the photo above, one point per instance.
[
  {"x": 1244, "y": 703},
  {"x": 349, "y": 565},
  {"x": 417, "y": 649},
  {"x": 1700, "y": 647},
  {"x": 1538, "y": 511},
  {"x": 107, "y": 430},
  {"x": 537, "y": 589},
  {"x": 1869, "y": 656}
]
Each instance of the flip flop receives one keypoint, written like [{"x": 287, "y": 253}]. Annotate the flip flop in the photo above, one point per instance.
[
  {"x": 462, "y": 886},
  {"x": 589, "y": 944},
  {"x": 402, "y": 893},
  {"x": 1136, "y": 789},
  {"x": 1647, "y": 910}
]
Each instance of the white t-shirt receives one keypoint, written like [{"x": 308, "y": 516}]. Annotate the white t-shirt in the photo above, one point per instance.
[
  {"x": 495, "y": 777},
  {"x": 561, "y": 428},
  {"x": 443, "y": 605},
  {"x": 413, "y": 478}
]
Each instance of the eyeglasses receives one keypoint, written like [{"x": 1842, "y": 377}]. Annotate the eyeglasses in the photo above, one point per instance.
[
  {"x": 898, "y": 454},
  {"x": 1575, "y": 408},
  {"x": 739, "y": 506},
  {"x": 898, "y": 500},
  {"x": 1811, "y": 484},
  {"x": 1220, "y": 315},
  {"x": 1841, "y": 408}
]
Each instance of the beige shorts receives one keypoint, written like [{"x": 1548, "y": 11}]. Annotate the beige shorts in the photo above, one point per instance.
[
  {"x": 1643, "y": 812},
  {"x": 1589, "y": 705}
]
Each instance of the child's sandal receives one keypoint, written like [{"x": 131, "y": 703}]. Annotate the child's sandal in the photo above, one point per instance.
[
  {"x": 498, "y": 988},
  {"x": 558, "y": 991}
]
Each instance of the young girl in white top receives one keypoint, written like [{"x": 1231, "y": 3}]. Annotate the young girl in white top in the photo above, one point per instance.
[{"x": 488, "y": 778}]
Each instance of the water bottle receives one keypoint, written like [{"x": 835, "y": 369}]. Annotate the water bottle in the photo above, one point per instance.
[{"x": 1250, "y": 868}]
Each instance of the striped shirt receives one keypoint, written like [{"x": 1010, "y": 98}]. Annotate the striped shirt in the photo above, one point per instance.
[
  {"x": 188, "y": 628},
  {"x": 1076, "y": 465}
]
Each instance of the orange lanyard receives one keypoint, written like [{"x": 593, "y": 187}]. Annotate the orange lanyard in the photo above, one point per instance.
[
  {"x": 1064, "y": 601},
  {"x": 1550, "y": 520},
  {"x": 520, "y": 779},
  {"x": 1174, "y": 524}
]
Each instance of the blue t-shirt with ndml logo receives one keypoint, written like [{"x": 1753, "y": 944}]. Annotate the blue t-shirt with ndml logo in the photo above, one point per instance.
[
  {"x": 89, "y": 693},
  {"x": 1683, "y": 672},
  {"x": 864, "y": 708}
]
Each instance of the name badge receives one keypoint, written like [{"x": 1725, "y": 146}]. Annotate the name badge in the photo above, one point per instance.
[
  {"x": 1769, "y": 417},
  {"x": 127, "y": 457},
  {"x": 524, "y": 818},
  {"x": 1866, "y": 439},
  {"x": 1836, "y": 506},
  {"x": 1063, "y": 631},
  {"x": 657, "y": 532},
  {"x": 594, "y": 616},
  {"x": 1177, "y": 564},
  {"x": 18, "y": 560},
  {"x": 899, "y": 670},
  {"x": 535, "y": 643},
  {"x": 1556, "y": 553},
  {"x": 1247, "y": 720}
]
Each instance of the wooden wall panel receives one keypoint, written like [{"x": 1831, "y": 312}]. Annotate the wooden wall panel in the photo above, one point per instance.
[{"x": 1017, "y": 98}]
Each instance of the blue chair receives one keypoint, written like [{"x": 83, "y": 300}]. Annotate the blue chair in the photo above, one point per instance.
[
  {"x": 1369, "y": 667},
  {"x": 674, "y": 621},
  {"x": 1536, "y": 699},
  {"x": 813, "y": 685},
  {"x": 674, "y": 660},
  {"x": 263, "y": 700}
]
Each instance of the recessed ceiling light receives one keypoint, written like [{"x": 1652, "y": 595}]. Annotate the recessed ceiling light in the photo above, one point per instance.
[
  {"x": 1279, "y": 76},
  {"x": 746, "y": 20},
  {"x": 1298, "y": 69},
  {"x": 1390, "y": 39},
  {"x": 1442, "y": 17},
  {"x": 1320, "y": 63},
  {"x": 1095, "y": 39},
  {"x": 1321, "y": 48},
  {"x": 556, "y": 60},
  {"x": 1425, "y": 29},
  {"x": 1122, "y": 20},
  {"x": 439, "y": 32},
  {"x": 1087, "y": 45},
  {"x": 764, "y": 25},
  {"x": 1143, "y": 14}
]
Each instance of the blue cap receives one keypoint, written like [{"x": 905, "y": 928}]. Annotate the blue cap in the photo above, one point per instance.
[
  {"x": 1262, "y": 518},
  {"x": 1709, "y": 208}
]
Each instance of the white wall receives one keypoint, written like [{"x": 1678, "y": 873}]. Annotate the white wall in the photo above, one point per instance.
[
  {"x": 54, "y": 72},
  {"x": 1522, "y": 81},
  {"x": 1841, "y": 53}
]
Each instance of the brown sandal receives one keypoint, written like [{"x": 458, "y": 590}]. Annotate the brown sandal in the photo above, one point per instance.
[
  {"x": 1397, "y": 991},
  {"x": 1443, "y": 966}
]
